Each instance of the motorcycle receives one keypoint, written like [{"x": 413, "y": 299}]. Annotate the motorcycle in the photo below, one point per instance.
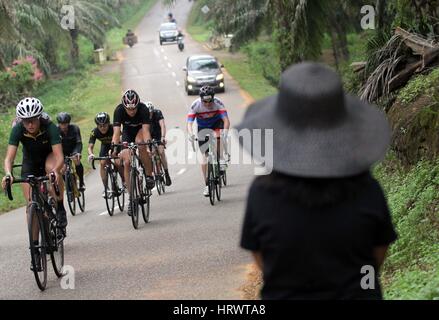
[
  {"x": 180, "y": 43},
  {"x": 130, "y": 40}
]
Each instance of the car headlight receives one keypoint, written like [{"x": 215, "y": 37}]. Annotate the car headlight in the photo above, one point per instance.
[
  {"x": 190, "y": 79},
  {"x": 220, "y": 77}
]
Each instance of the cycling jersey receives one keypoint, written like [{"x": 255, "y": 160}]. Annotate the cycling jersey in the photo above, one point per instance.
[
  {"x": 131, "y": 125},
  {"x": 121, "y": 117},
  {"x": 71, "y": 142},
  {"x": 37, "y": 148},
  {"x": 156, "y": 130},
  {"x": 103, "y": 138},
  {"x": 207, "y": 117}
]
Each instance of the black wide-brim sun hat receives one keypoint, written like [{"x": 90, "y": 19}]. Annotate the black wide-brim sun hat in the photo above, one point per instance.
[{"x": 318, "y": 130}]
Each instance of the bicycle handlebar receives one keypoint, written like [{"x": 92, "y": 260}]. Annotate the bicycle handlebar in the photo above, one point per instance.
[
  {"x": 100, "y": 159},
  {"x": 31, "y": 180}
]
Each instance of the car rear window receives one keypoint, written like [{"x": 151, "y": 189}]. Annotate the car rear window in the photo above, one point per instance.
[
  {"x": 171, "y": 26},
  {"x": 203, "y": 64}
]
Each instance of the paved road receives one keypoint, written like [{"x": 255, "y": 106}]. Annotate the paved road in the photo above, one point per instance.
[{"x": 189, "y": 250}]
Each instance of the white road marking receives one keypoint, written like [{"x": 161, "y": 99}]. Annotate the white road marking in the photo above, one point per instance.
[
  {"x": 174, "y": 74},
  {"x": 181, "y": 171},
  {"x": 103, "y": 213},
  {"x": 178, "y": 83},
  {"x": 169, "y": 65},
  {"x": 156, "y": 53},
  {"x": 162, "y": 50},
  {"x": 166, "y": 58}
]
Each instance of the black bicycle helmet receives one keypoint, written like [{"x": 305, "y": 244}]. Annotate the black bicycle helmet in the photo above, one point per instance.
[
  {"x": 130, "y": 99},
  {"x": 102, "y": 118},
  {"x": 63, "y": 117},
  {"x": 207, "y": 91}
]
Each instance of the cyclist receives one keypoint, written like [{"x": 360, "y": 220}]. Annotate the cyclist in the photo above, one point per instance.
[
  {"x": 211, "y": 115},
  {"x": 158, "y": 133},
  {"x": 42, "y": 151},
  {"x": 133, "y": 116},
  {"x": 104, "y": 133},
  {"x": 171, "y": 18},
  {"x": 71, "y": 143}
]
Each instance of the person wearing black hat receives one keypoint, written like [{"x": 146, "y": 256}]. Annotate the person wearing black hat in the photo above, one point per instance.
[{"x": 319, "y": 220}]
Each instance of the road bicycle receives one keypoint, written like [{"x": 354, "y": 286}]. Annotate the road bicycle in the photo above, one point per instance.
[
  {"x": 73, "y": 191},
  {"x": 42, "y": 225},
  {"x": 157, "y": 167},
  {"x": 216, "y": 177},
  {"x": 114, "y": 189},
  {"x": 140, "y": 194}
]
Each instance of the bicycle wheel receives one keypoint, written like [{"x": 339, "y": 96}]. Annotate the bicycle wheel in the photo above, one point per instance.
[
  {"x": 118, "y": 186},
  {"x": 109, "y": 192},
  {"x": 37, "y": 251},
  {"x": 145, "y": 211},
  {"x": 224, "y": 178},
  {"x": 211, "y": 183},
  {"x": 162, "y": 178},
  {"x": 56, "y": 248},
  {"x": 134, "y": 198},
  {"x": 218, "y": 182},
  {"x": 70, "y": 193},
  {"x": 144, "y": 198},
  {"x": 81, "y": 198}
]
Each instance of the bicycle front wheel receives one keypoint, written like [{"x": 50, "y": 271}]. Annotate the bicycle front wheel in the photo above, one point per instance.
[
  {"x": 57, "y": 249},
  {"x": 218, "y": 182},
  {"x": 134, "y": 198},
  {"x": 211, "y": 183},
  {"x": 81, "y": 201},
  {"x": 118, "y": 186},
  {"x": 70, "y": 193},
  {"x": 37, "y": 246},
  {"x": 109, "y": 193},
  {"x": 146, "y": 211}
]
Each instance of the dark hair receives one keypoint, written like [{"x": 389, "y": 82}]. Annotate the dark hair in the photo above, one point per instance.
[{"x": 315, "y": 192}]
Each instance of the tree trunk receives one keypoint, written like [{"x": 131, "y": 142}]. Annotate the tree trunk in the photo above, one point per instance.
[
  {"x": 283, "y": 13},
  {"x": 2, "y": 64},
  {"x": 50, "y": 52},
  {"x": 380, "y": 13},
  {"x": 74, "y": 52}
]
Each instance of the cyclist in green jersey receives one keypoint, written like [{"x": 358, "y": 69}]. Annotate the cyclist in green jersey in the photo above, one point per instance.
[{"x": 42, "y": 150}]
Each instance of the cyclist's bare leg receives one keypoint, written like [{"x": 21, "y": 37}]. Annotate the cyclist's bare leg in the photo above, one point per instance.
[
  {"x": 144, "y": 157},
  {"x": 50, "y": 164},
  {"x": 79, "y": 169},
  {"x": 125, "y": 157},
  {"x": 27, "y": 195},
  {"x": 162, "y": 154},
  {"x": 102, "y": 172}
]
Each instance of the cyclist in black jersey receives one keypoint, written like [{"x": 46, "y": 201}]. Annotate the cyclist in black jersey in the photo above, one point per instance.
[
  {"x": 104, "y": 133},
  {"x": 42, "y": 150},
  {"x": 158, "y": 133},
  {"x": 133, "y": 116},
  {"x": 71, "y": 143}
]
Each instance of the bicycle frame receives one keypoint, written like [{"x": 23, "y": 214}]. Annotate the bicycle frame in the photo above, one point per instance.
[{"x": 71, "y": 167}]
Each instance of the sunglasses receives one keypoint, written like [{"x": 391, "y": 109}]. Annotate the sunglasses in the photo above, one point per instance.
[
  {"x": 207, "y": 99},
  {"x": 131, "y": 107},
  {"x": 30, "y": 120}
]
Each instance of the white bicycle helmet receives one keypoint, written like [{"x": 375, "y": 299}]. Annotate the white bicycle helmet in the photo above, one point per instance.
[
  {"x": 150, "y": 106},
  {"x": 29, "y": 108}
]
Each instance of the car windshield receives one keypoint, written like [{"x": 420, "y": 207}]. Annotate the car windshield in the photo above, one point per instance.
[
  {"x": 203, "y": 64},
  {"x": 168, "y": 27}
]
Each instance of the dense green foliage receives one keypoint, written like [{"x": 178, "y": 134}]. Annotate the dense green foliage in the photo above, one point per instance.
[{"x": 411, "y": 270}]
